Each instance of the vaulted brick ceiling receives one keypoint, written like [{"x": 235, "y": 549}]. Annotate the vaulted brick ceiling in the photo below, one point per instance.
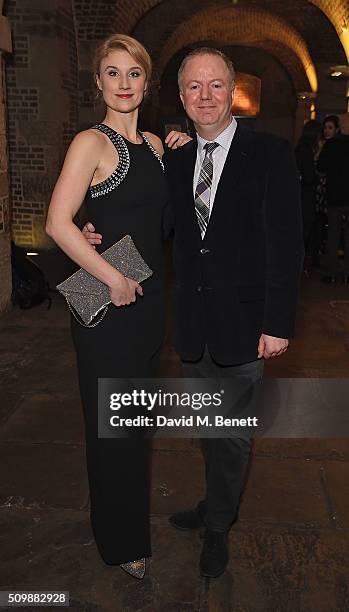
[
  {"x": 337, "y": 12},
  {"x": 320, "y": 35},
  {"x": 319, "y": 22},
  {"x": 307, "y": 16},
  {"x": 298, "y": 32},
  {"x": 250, "y": 27}
]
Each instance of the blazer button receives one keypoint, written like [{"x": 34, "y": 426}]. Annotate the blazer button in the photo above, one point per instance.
[{"x": 204, "y": 251}]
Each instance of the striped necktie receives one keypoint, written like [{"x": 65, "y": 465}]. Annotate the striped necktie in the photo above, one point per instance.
[{"x": 203, "y": 188}]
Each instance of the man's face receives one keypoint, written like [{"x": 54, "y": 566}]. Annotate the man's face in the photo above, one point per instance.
[{"x": 207, "y": 92}]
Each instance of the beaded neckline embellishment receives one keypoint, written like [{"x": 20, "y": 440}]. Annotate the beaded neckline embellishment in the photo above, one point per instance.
[
  {"x": 120, "y": 172},
  {"x": 153, "y": 150},
  {"x": 122, "y": 168}
]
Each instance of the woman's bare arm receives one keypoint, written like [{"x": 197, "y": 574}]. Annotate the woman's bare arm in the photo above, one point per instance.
[{"x": 80, "y": 163}]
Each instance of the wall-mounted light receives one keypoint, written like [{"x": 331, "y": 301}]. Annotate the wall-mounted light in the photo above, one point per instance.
[
  {"x": 338, "y": 72},
  {"x": 306, "y": 95}
]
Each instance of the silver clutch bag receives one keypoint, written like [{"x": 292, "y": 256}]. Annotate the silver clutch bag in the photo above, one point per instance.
[{"x": 87, "y": 296}]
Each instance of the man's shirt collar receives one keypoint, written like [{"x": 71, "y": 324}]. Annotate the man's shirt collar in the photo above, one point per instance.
[{"x": 224, "y": 139}]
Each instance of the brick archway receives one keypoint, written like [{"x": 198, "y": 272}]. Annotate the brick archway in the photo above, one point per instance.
[
  {"x": 250, "y": 27},
  {"x": 129, "y": 13},
  {"x": 337, "y": 11}
]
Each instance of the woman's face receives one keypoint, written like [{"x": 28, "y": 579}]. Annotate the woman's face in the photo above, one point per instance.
[
  {"x": 330, "y": 130},
  {"x": 122, "y": 81}
]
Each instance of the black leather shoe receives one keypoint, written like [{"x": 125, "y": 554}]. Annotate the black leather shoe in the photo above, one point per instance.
[
  {"x": 189, "y": 519},
  {"x": 214, "y": 556}
]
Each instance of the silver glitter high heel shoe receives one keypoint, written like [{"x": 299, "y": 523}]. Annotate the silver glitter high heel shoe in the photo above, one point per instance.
[{"x": 135, "y": 568}]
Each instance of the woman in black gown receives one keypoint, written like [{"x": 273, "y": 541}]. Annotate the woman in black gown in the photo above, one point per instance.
[{"x": 117, "y": 172}]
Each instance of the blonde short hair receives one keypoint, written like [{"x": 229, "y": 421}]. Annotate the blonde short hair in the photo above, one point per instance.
[
  {"x": 126, "y": 43},
  {"x": 207, "y": 51}
]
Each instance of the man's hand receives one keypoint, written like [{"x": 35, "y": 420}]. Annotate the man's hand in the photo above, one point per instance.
[
  {"x": 175, "y": 140},
  {"x": 88, "y": 232},
  {"x": 269, "y": 346}
]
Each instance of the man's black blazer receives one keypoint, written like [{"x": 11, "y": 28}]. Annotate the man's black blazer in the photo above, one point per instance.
[{"x": 242, "y": 279}]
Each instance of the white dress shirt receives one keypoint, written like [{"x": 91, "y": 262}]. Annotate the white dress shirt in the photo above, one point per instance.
[{"x": 219, "y": 156}]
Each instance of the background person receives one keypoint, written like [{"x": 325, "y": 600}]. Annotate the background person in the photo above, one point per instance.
[
  {"x": 333, "y": 161},
  {"x": 306, "y": 152},
  {"x": 331, "y": 127}
]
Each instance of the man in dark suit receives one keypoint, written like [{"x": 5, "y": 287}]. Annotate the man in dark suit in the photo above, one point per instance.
[{"x": 238, "y": 254}]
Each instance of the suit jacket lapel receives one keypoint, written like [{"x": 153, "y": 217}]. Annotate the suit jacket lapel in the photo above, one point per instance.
[
  {"x": 232, "y": 172},
  {"x": 189, "y": 161}
]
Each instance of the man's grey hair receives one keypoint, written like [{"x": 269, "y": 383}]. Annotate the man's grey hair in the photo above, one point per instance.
[{"x": 206, "y": 51}]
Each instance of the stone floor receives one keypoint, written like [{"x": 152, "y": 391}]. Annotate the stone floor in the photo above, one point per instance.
[{"x": 289, "y": 549}]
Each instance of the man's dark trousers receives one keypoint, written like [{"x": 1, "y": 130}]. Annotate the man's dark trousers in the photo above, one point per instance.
[{"x": 226, "y": 459}]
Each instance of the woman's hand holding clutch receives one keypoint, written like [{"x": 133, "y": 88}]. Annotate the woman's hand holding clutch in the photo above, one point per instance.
[{"x": 124, "y": 291}]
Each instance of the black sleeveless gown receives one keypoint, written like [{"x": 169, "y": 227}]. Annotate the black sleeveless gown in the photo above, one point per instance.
[{"x": 125, "y": 344}]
